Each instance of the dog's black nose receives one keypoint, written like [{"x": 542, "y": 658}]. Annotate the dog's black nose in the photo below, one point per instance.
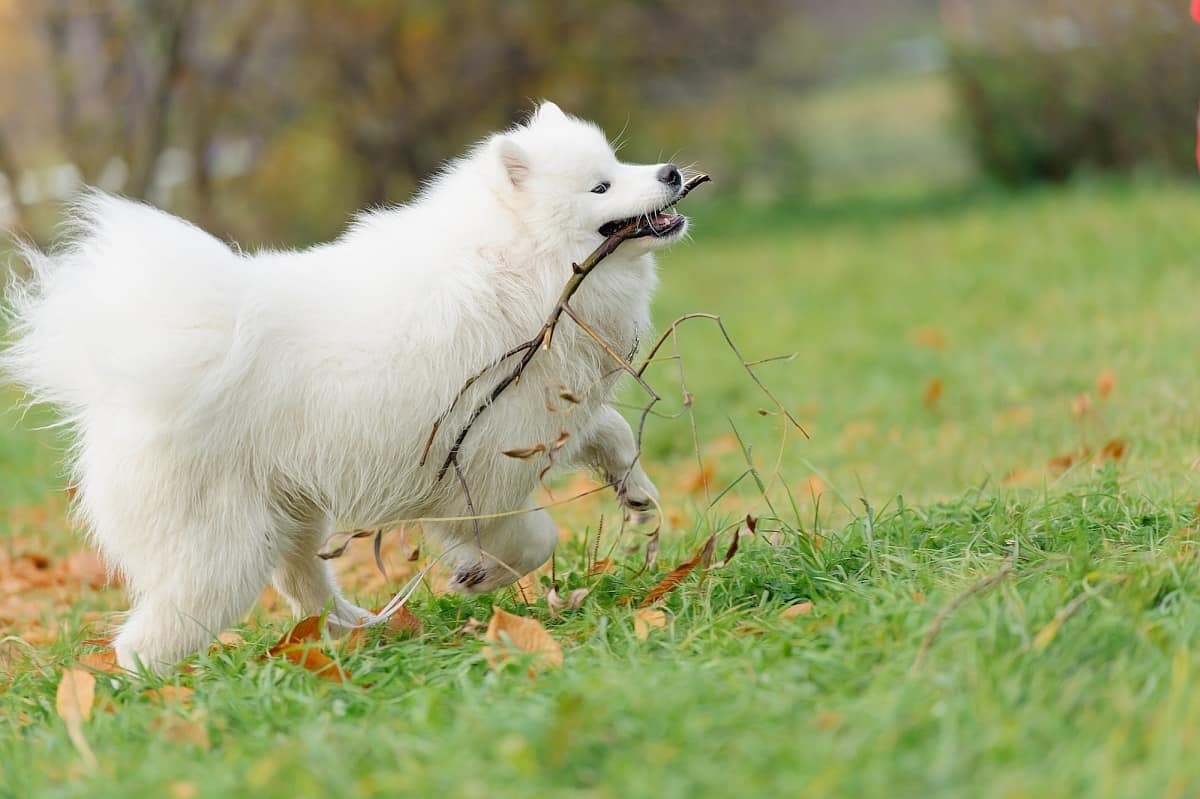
[{"x": 669, "y": 174}]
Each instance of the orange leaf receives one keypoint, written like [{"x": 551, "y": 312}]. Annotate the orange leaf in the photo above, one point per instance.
[
  {"x": 307, "y": 630},
  {"x": 105, "y": 661},
  {"x": 170, "y": 693},
  {"x": 1106, "y": 381},
  {"x": 507, "y": 632},
  {"x": 307, "y": 656},
  {"x": 1060, "y": 463},
  {"x": 299, "y": 646},
  {"x": 602, "y": 566},
  {"x": 1080, "y": 405},
  {"x": 230, "y": 639},
  {"x": 699, "y": 481},
  {"x": 644, "y": 619},
  {"x": 933, "y": 393},
  {"x": 405, "y": 624},
  {"x": 932, "y": 338},
  {"x": 799, "y": 609},
  {"x": 179, "y": 730},
  {"x": 1114, "y": 449},
  {"x": 678, "y": 574},
  {"x": 75, "y": 695}
]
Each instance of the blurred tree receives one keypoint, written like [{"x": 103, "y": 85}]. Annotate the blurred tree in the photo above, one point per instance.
[{"x": 336, "y": 104}]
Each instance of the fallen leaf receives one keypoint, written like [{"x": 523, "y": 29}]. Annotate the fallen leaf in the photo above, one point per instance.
[
  {"x": 1080, "y": 405},
  {"x": 799, "y": 609},
  {"x": 699, "y": 481},
  {"x": 1114, "y": 449},
  {"x": 183, "y": 731},
  {"x": 644, "y": 619},
  {"x": 602, "y": 566},
  {"x": 181, "y": 789},
  {"x": 103, "y": 661},
  {"x": 75, "y": 695},
  {"x": 507, "y": 632},
  {"x": 1060, "y": 463},
  {"x": 170, "y": 693},
  {"x": 576, "y": 597},
  {"x": 299, "y": 646},
  {"x": 307, "y": 630},
  {"x": 405, "y": 624},
  {"x": 679, "y": 573},
  {"x": 527, "y": 588},
  {"x": 933, "y": 393},
  {"x": 932, "y": 338},
  {"x": 230, "y": 639},
  {"x": 1106, "y": 381},
  {"x": 814, "y": 487},
  {"x": 73, "y": 700}
]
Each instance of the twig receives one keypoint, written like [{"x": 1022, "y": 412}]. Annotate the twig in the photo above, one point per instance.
[
  {"x": 541, "y": 340},
  {"x": 984, "y": 585}
]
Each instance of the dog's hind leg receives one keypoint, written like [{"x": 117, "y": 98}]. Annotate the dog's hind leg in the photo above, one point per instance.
[
  {"x": 306, "y": 581},
  {"x": 188, "y": 585}
]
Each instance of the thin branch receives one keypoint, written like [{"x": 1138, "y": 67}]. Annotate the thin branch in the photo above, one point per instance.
[
  {"x": 542, "y": 339},
  {"x": 939, "y": 621}
]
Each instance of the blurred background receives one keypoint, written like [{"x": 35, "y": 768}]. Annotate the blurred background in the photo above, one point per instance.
[
  {"x": 272, "y": 121},
  {"x": 970, "y": 219}
]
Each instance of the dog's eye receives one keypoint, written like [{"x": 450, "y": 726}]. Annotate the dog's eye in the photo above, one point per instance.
[{"x": 601, "y": 187}]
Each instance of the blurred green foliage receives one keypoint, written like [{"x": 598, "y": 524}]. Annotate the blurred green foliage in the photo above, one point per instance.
[{"x": 1049, "y": 87}]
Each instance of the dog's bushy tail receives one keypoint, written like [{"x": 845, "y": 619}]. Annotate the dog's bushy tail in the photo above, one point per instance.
[{"x": 126, "y": 314}]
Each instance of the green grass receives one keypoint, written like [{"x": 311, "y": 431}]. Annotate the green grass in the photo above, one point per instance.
[{"x": 1033, "y": 295}]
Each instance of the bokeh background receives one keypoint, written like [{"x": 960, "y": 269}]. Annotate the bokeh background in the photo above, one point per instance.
[
  {"x": 963, "y": 216},
  {"x": 272, "y": 121}
]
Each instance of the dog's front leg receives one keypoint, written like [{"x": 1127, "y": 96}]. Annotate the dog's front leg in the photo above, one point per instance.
[{"x": 608, "y": 447}]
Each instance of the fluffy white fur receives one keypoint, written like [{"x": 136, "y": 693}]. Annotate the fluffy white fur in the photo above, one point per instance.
[{"x": 229, "y": 408}]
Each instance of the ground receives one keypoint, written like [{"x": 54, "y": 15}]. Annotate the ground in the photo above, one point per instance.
[{"x": 976, "y": 577}]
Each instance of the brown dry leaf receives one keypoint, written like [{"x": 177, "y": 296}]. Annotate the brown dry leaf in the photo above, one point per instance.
[
  {"x": 678, "y": 574},
  {"x": 576, "y": 597},
  {"x": 1114, "y": 449},
  {"x": 933, "y": 393},
  {"x": 799, "y": 609},
  {"x": 183, "y": 731},
  {"x": 405, "y": 624},
  {"x": 307, "y": 656},
  {"x": 1106, "y": 381},
  {"x": 699, "y": 481},
  {"x": 103, "y": 661},
  {"x": 527, "y": 589},
  {"x": 1021, "y": 476},
  {"x": 524, "y": 453},
  {"x": 75, "y": 695},
  {"x": 644, "y": 619},
  {"x": 1060, "y": 463},
  {"x": 931, "y": 338},
  {"x": 181, "y": 789},
  {"x": 602, "y": 566},
  {"x": 230, "y": 639},
  {"x": 73, "y": 700},
  {"x": 299, "y": 646},
  {"x": 1080, "y": 405},
  {"x": 813, "y": 487},
  {"x": 507, "y": 632},
  {"x": 170, "y": 693},
  {"x": 307, "y": 630}
]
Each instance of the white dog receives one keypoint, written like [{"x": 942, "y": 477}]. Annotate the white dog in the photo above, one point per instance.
[{"x": 229, "y": 408}]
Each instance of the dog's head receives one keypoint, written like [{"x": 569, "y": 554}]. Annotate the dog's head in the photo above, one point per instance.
[{"x": 564, "y": 174}]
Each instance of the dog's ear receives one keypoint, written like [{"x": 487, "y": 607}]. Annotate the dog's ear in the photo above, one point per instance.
[
  {"x": 548, "y": 110},
  {"x": 515, "y": 160}
]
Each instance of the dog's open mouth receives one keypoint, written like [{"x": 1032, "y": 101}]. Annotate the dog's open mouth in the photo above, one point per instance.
[{"x": 660, "y": 224}]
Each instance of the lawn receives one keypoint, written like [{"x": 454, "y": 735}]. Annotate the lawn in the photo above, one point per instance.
[{"x": 987, "y": 543}]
